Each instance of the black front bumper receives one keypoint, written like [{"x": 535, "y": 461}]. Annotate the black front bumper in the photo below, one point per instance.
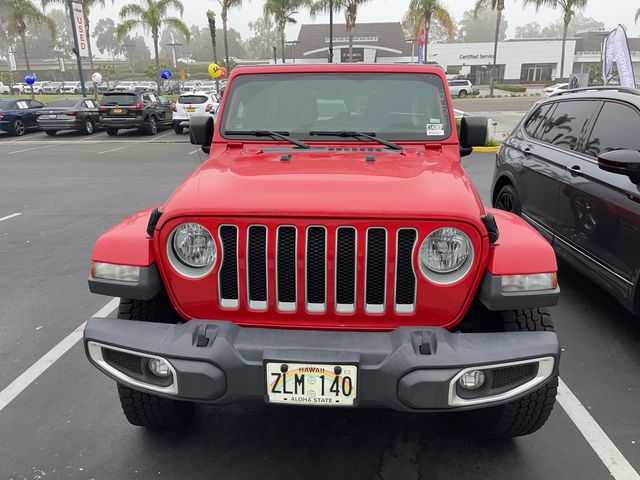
[{"x": 408, "y": 369}]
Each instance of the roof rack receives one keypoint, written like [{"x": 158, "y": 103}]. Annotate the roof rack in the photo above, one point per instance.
[{"x": 632, "y": 91}]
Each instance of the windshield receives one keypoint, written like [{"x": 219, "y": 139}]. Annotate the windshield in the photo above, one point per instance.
[
  {"x": 395, "y": 106},
  {"x": 192, "y": 99},
  {"x": 119, "y": 99}
]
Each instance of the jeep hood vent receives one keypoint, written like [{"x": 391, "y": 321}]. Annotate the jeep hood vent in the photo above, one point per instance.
[{"x": 356, "y": 149}]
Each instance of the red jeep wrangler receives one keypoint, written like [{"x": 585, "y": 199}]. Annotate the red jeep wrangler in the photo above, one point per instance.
[{"x": 331, "y": 252}]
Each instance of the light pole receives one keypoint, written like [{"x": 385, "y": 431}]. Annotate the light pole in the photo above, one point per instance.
[
  {"x": 413, "y": 44},
  {"x": 130, "y": 47},
  {"x": 293, "y": 44},
  {"x": 173, "y": 46},
  {"x": 59, "y": 49},
  {"x": 330, "y": 31}
]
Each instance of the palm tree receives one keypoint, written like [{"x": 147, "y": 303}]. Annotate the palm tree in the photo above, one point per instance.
[
  {"x": 19, "y": 13},
  {"x": 87, "y": 5},
  {"x": 569, "y": 9},
  {"x": 226, "y": 5},
  {"x": 350, "y": 15},
  {"x": 498, "y": 6},
  {"x": 151, "y": 15},
  {"x": 422, "y": 13},
  {"x": 283, "y": 12},
  {"x": 637, "y": 15}
]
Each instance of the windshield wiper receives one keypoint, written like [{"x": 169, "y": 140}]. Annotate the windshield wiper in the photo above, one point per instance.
[
  {"x": 347, "y": 133},
  {"x": 268, "y": 133}
]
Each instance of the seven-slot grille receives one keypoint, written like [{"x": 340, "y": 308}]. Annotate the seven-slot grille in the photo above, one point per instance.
[{"x": 305, "y": 252}]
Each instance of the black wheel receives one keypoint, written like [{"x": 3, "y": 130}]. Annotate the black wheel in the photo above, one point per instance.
[
  {"x": 112, "y": 132},
  {"x": 178, "y": 129},
  {"x": 18, "y": 128},
  {"x": 462, "y": 93},
  {"x": 51, "y": 133},
  {"x": 527, "y": 414},
  {"x": 507, "y": 199},
  {"x": 88, "y": 128},
  {"x": 151, "y": 411},
  {"x": 151, "y": 128}
]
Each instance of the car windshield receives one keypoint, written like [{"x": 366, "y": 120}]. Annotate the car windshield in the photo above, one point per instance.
[
  {"x": 192, "y": 99},
  {"x": 119, "y": 99},
  {"x": 62, "y": 103},
  {"x": 396, "y": 106}
]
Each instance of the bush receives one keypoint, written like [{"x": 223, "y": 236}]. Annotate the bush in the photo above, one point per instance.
[{"x": 511, "y": 88}]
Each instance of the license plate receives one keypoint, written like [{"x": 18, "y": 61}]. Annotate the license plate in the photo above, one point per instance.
[
  {"x": 191, "y": 109},
  {"x": 320, "y": 385},
  {"x": 50, "y": 116},
  {"x": 118, "y": 110}
]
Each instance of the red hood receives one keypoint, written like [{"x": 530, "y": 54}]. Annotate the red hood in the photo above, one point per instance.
[{"x": 417, "y": 183}]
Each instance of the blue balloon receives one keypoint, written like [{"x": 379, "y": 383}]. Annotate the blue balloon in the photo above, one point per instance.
[
  {"x": 30, "y": 79},
  {"x": 166, "y": 74}
]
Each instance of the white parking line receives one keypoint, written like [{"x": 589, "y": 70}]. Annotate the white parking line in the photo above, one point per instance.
[
  {"x": 161, "y": 136},
  {"x": 619, "y": 467},
  {"x": 109, "y": 151},
  {"x": 10, "y": 216},
  {"x": 29, "y": 149},
  {"x": 194, "y": 152},
  {"x": 32, "y": 373}
]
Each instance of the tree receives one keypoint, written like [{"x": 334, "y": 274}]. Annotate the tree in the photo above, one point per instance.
[
  {"x": 578, "y": 23},
  {"x": 529, "y": 30},
  {"x": 152, "y": 15},
  {"x": 480, "y": 26},
  {"x": 283, "y": 12},
  {"x": 87, "y": 5},
  {"x": 226, "y": 5},
  {"x": 637, "y": 15},
  {"x": 18, "y": 15},
  {"x": 350, "y": 8},
  {"x": 422, "y": 13},
  {"x": 265, "y": 34},
  {"x": 498, "y": 6},
  {"x": 569, "y": 9}
]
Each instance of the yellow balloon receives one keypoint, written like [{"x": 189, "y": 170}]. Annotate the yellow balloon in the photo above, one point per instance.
[{"x": 214, "y": 70}]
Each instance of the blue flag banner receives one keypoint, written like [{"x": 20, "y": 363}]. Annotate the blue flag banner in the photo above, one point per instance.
[{"x": 616, "y": 49}]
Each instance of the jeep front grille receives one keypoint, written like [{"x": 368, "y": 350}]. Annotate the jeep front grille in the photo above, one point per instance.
[{"x": 316, "y": 268}]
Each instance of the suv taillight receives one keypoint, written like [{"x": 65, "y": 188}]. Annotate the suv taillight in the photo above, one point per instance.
[
  {"x": 138, "y": 105},
  {"x": 209, "y": 107},
  {"x": 71, "y": 114}
]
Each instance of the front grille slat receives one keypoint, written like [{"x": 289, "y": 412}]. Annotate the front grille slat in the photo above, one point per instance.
[
  {"x": 316, "y": 272},
  {"x": 228, "y": 274},
  {"x": 286, "y": 267},
  {"x": 346, "y": 270},
  {"x": 257, "y": 267},
  {"x": 405, "y": 297},
  {"x": 376, "y": 270}
]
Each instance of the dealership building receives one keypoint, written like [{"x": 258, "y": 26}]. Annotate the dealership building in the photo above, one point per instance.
[{"x": 519, "y": 61}]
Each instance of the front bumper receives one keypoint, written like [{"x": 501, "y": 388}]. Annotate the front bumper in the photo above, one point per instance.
[{"x": 407, "y": 369}]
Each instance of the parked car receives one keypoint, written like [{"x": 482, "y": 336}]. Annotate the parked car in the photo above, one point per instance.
[
  {"x": 190, "y": 86},
  {"x": 39, "y": 86},
  {"x": 462, "y": 88},
  {"x": 104, "y": 87},
  {"x": 192, "y": 105},
  {"x": 149, "y": 85},
  {"x": 144, "y": 110},
  {"x": 52, "y": 88},
  {"x": 556, "y": 88},
  {"x": 18, "y": 88},
  {"x": 572, "y": 170},
  {"x": 124, "y": 86},
  {"x": 80, "y": 114},
  {"x": 5, "y": 89},
  {"x": 72, "y": 87},
  {"x": 18, "y": 116},
  {"x": 309, "y": 263}
]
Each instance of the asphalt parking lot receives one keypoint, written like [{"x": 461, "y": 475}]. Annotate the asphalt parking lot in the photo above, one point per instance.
[{"x": 67, "y": 423}]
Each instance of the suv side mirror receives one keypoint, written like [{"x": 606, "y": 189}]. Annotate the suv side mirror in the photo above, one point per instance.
[
  {"x": 473, "y": 133},
  {"x": 201, "y": 132},
  {"x": 622, "y": 162}
]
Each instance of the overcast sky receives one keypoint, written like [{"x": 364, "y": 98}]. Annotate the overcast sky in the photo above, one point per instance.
[{"x": 611, "y": 12}]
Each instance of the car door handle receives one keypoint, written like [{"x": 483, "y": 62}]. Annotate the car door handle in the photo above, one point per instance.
[{"x": 575, "y": 170}]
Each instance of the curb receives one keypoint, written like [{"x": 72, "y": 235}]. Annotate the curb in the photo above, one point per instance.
[{"x": 486, "y": 149}]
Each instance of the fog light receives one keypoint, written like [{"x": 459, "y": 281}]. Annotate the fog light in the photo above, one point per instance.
[
  {"x": 159, "y": 367},
  {"x": 472, "y": 380}
]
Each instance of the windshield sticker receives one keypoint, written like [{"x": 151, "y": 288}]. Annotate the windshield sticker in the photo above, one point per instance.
[{"x": 435, "y": 129}]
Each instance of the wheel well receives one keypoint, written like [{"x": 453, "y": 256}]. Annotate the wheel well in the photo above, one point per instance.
[
  {"x": 501, "y": 182},
  {"x": 636, "y": 301}
]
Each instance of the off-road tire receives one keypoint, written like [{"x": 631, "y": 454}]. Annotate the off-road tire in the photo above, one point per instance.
[
  {"x": 529, "y": 413},
  {"x": 508, "y": 200},
  {"x": 158, "y": 309},
  {"x": 18, "y": 128},
  {"x": 151, "y": 411},
  {"x": 178, "y": 129},
  {"x": 89, "y": 128},
  {"x": 112, "y": 132},
  {"x": 51, "y": 133},
  {"x": 151, "y": 127}
]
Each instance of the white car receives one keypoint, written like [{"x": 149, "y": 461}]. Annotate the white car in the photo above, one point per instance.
[
  {"x": 4, "y": 89},
  {"x": 186, "y": 60},
  {"x": 556, "y": 88},
  {"x": 19, "y": 88},
  {"x": 38, "y": 86},
  {"x": 122, "y": 86},
  {"x": 194, "y": 104},
  {"x": 148, "y": 84}
]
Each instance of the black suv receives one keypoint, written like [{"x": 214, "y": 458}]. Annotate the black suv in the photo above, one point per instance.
[
  {"x": 145, "y": 110},
  {"x": 571, "y": 168}
]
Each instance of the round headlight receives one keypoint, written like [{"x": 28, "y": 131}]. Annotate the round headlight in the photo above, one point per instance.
[
  {"x": 193, "y": 245},
  {"x": 444, "y": 250}
]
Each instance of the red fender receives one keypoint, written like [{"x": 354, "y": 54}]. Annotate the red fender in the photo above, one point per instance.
[
  {"x": 126, "y": 243},
  {"x": 520, "y": 249}
]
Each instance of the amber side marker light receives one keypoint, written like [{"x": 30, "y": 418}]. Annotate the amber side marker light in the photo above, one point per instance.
[
  {"x": 111, "y": 271},
  {"x": 529, "y": 282}
]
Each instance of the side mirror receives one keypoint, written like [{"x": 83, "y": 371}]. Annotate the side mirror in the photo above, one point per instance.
[
  {"x": 201, "y": 132},
  {"x": 622, "y": 162},
  {"x": 473, "y": 132}
]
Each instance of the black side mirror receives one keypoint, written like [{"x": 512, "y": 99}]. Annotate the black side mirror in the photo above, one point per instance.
[
  {"x": 473, "y": 133},
  {"x": 201, "y": 132},
  {"x": 622, "y": 162}
]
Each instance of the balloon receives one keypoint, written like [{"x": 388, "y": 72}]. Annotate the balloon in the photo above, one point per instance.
[
  {"x": 223, "y": 72},
  {"x": 214, "y": 70},
  {"x": 166, "y": 74},
  {"x": 30, "y": 78},
  {"x": 96, "y": 77}
]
